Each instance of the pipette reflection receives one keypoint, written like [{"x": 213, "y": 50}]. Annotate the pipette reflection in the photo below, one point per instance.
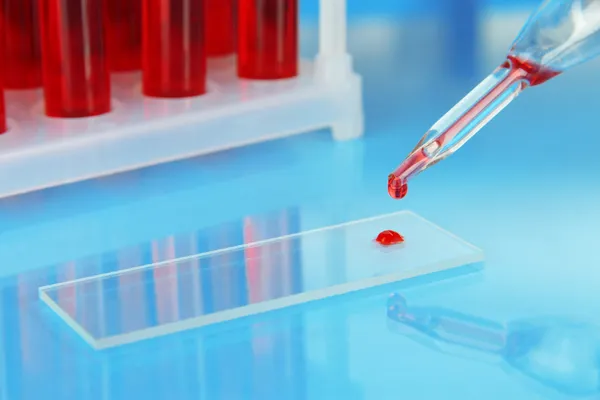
[
  {"x": 560, "y": 34},
  {"x": 559, "y": 354}
]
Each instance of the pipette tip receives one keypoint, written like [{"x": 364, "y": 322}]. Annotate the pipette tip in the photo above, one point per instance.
[
  {"x": 466, "y": 118},
  {"x": 414, "y": 164},
  {"x": 397, "y": 187}
]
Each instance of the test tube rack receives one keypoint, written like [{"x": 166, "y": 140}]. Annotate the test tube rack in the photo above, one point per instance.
[{"x": 39, "y": 152}]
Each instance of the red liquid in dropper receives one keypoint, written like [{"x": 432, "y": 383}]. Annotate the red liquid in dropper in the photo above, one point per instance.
[
  {"x": 389, "y": 238},
  {"x": 519, "y": 69},
  {"x": 536, "y": 74},
  {"x": 397, "y": 188}
]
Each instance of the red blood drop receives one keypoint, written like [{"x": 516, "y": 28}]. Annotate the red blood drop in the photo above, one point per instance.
[
  {"x": 389, "y": 238},
  {"x": 397, "y": 188}
]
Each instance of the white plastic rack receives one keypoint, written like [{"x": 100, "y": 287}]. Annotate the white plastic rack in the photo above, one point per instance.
[{"x": 40, "y": 152}]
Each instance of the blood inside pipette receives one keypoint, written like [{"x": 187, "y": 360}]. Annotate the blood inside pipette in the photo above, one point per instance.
[
  {"x": 536, "y": 74},
  {"x": 419, "y": 159},
  {"x": 397, "y": 188}
]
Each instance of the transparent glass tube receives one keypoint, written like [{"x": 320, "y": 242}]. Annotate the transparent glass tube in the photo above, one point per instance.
[
  {"x": 557, "y": 36},
  {"x": 2, "y": 107},
  {"x": 74, "y": 62},
  {"x": 556, "y": 352},
  {"x": 173, "y": 48},
  {"x": 124, "y": 34},
  {"x": 220, "y": 28},
  {"x": 3, "y": 127},
  {"x": 449, "y": 326},
  {"x": 22, "y": 54},
  {"x": 459, "y": 125},
  {"x": 2, "y": 113},
  {"x": 268, "y": 39}
]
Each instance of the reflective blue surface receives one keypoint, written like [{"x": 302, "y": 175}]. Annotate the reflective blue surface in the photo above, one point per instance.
[{"x": 525, "y": 190}]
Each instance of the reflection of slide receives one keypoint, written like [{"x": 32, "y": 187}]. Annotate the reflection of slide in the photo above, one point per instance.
[{"x": 556, "y": 355}]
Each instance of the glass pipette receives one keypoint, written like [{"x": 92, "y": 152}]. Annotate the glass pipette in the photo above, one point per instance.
[
  {"x": 556, "y": 352},
  {"x": 447, "y": 326},
  {"x": 560, "y": 34}
]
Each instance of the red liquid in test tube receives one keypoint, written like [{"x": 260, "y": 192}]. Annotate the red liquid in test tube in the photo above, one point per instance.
[
  {"x": 267, "y": 39},
  {"x": 2, "y": 109},
  {"x": 22, "y": 57},
  {"x": 124, "y": 34},
  {"x": 220, "y": 28},
  {"x": 173, "y": 48},
  {"x": 74, "y": 62},
  {"x": 3, "y": 127}
]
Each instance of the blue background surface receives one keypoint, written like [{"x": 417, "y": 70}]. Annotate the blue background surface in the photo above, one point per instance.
[{"x": 525, "y": 190}]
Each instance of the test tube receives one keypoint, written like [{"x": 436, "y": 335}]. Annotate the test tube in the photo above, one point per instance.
[
  {"x": 173, "y": 49},
  {"x": 220, "y": 28},
  {"x": 21, "y": 58},
  {"x": 3, "y": 127},
  {"x": 2, "y": 107},
  {"x": 74, "y": 62},
  {"x": 267, "y": 39},
  {"x": 124, "y": 34}
]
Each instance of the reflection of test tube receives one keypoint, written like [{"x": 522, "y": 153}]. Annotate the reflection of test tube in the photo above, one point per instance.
[
  {"x": 253, "y": 261},
  {"x": 166, "y": 281},
  {"x": 21, "y": 57},
  {"x": 131, "y": 290},
  {"x": 219, "y": 28},
  {"x": 173, "y": 50},
  {"x": 75, "y": 67},
  {"x": 267, "y": 39},
  {"x": 124, "y": 34}
]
